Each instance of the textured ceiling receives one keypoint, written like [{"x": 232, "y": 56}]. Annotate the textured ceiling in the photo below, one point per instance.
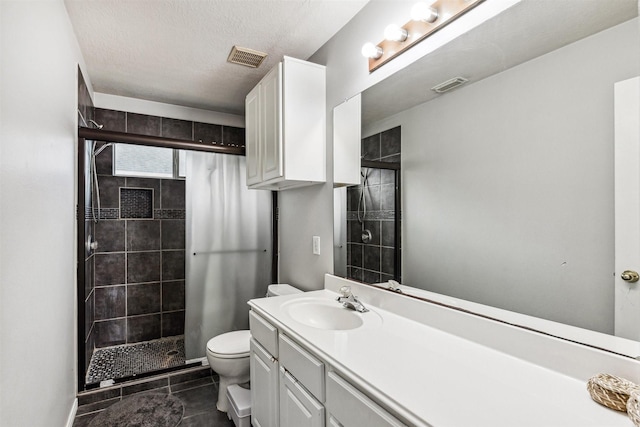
[
  {"x": 523, "y": 32},
  {"x": 175, "y": 51}
]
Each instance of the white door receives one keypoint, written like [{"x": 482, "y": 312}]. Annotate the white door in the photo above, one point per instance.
[
  {"x": 252, "y": 139},
  {"x": 627, "y": 208}
]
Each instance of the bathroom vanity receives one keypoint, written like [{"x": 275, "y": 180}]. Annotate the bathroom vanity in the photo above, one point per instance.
[{"x": 316, "y": 363}]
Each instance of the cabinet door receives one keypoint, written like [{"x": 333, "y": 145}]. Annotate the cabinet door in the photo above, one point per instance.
[
  {"x": 271, "y": 124},
  {"x": 252, "y": 143},
  {"x": 349, "y": 407},
  {"x": 264, "y": 387},
  {"x": 298, "y": 408}
]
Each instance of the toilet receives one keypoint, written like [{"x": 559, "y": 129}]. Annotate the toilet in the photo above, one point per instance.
[{"x": 228, "y": 353}]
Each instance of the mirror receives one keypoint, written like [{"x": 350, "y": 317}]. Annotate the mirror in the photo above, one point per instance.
[{"x": 508, "y": 180}]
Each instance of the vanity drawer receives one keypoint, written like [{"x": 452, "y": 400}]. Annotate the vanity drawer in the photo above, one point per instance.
[
  {"x": 351, "y": 408},
  {"x": 307, "y": 369},
  {"x": 264, "y": 332}
]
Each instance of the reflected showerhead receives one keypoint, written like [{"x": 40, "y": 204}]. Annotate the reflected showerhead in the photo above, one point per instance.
[{"x": 93, "y": 122}]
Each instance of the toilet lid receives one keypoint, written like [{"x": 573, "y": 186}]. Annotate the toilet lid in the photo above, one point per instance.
[{"x": 236, "y": 343}]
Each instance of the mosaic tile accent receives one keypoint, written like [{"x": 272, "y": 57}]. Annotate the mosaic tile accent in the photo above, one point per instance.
[
  {"x": 169, "y": 213},
  {"x": 136, "y": 203},
  {"x": 109, "y": 213},
  {"x": 372, "y": 215},
  {"x": 132, "y": 359}
]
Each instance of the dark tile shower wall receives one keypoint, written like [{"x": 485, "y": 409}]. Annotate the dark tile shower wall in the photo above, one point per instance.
[
  {"x": 373, "y": 262},
  {"x": 140, "y": 262}
]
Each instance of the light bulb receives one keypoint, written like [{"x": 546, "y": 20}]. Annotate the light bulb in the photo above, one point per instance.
[
  {"x": 370, "y": 50},
  {"x": 395, "y": 33},
  {"x": 423, "y": 11}
]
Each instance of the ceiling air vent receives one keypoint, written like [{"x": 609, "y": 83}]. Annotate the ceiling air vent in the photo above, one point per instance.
[
  {"x": 449, "y": 85},
  {"x": 247, "y": 57}
]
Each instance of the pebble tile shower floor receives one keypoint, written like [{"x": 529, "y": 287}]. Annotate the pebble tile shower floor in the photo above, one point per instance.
[{"x": 132, "y": 359}]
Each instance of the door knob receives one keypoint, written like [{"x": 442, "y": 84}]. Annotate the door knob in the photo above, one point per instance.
[{"x": 630, "y": 276}]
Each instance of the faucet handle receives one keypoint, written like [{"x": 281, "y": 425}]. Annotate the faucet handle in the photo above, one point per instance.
[{"x": 345, "y": 291}]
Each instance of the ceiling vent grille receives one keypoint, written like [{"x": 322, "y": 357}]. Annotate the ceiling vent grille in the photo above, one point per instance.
[
  {"x": 247, "y": 57},
  {"x": 449, "y": 85}
]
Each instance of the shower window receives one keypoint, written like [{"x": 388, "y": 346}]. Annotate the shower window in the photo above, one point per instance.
[{"x": 148, "y": 162}]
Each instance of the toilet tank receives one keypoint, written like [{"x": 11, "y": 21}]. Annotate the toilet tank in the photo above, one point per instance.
[{"x": 281, "y": 289}]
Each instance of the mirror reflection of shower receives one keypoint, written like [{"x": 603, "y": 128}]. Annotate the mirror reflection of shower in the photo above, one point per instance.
[{"x": 371, "y": 213}]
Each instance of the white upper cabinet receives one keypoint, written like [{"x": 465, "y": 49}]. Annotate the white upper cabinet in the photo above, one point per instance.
[{"x": 286, "y": 127}]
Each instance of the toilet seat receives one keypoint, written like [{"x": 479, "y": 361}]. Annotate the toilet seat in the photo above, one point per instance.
[{"x": 230, "y": 345}]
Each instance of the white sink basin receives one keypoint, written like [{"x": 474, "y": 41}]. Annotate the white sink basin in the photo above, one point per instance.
[{"x": 323, "y": 314}]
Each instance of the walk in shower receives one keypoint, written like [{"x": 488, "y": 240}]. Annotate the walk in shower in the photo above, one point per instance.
[
  {"x": 171, "y": 246},
  {"x": 367, "y": 220}
]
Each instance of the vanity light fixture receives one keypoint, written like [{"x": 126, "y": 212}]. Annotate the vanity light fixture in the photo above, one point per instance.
[
  {"x": 370, "y": 50},
  {"x": 427, "y": 17},
  {"x": 423, "y": 11},
  {"x": 395, "y": 33}
]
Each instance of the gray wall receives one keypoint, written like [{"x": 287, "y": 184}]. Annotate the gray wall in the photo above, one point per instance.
[
  {"x": 308, "y": 211},
  {"x": 38, "y": 130},
  {"x": 508, "y": 184}
]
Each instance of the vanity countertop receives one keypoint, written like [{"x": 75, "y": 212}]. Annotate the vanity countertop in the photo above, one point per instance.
[{"x": 433, "y": 378}]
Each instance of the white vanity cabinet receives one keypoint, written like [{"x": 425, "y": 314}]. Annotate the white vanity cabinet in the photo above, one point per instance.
[
  {"x": 292, "y": 387},
  {"x": 349, "y": 407},
  {"x": 286, "y": 127}
]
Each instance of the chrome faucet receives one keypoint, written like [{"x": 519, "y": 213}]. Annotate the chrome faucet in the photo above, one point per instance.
[
  {"x": 394, "y": 286},
  {"x": 348, "y": 300}
]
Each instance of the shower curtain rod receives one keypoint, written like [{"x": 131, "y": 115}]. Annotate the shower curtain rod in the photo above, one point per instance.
[{"x": 155, "y": 141}]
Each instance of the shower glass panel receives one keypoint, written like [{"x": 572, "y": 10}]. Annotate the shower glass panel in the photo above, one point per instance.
[{"x": 228, "y": 241}]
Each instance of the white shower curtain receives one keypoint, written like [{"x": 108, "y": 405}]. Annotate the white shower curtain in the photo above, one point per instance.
[{"x": 228, "y": 255}]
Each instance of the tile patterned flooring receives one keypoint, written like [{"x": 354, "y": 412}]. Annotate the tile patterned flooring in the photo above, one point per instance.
[
  {"x": 132, "y": 359},
  {"x": 197, "y": 388}
]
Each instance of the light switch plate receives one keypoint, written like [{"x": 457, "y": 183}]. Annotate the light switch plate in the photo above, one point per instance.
[{"x": 316, "y": 245}]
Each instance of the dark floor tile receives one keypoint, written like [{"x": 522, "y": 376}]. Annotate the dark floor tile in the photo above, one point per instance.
[
  {"x": 143, "y": 299},
  {"x": 186, "y": 385},
  {"x": 145, "y": 386},
  {"x": 84, "y": 420},
  {"x": 143, "y": 267},
  {"x": 207, "y": 419},
  {"x": 173, "y": 295},
  {"x": 173, "y": 266},
  {"x": 97, "y": 396},
  {"x": 97, "y": 406},
  {"x": 172, "y": 194},
  {"x": 173, "y": 234},
  {"x": 195, "y": 374},
  {"x": 143, "y": 235},
  {"x": 198, "y": 400},
  {"x": 110, "y": 302}
]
